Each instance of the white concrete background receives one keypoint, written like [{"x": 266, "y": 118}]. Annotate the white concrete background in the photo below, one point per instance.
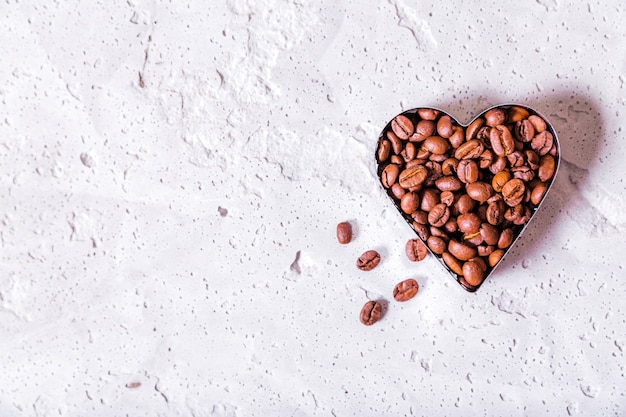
[{"x": 163, "y": 163}]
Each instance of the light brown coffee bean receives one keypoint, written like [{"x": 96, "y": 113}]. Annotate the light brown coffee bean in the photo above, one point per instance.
[
  {"x": 430, "y": 198},
  {"x": 495, "y": 212},
  {"x": 479, "y": 191},
  {"x": 453, "y": 263},
  {"x": 409, "y": 152},
  {"x": 464, "y": 204},
  {"x": 547, "y": 166},
  {"x": 495, "y": 257},
  {"x": 436, "y": 145},
  {"x": 467, "y": 171},
  {"x": 435, "y": 172},
  {"x": 517, "y": 113},
  {"x": 524, "y": 173},
  {"x": 438, "y": 157},
  {"x": 458, "y": 136},
  {"x": 396, "y": 159},
  {"x": 444, "y": 126},
  {"x": 448, "y": 167},
  {"x": 402, "y": 126},
  {"x": 344, "y": 233},
  {"x": 514, "y": 213},
  {"x": 396, "y": 143},
  {"x": 538, "y": 192},
  {"x": 524, "y": 218},
  {"x": 516, "y": 159},
  {"x": 421, "y": 230},
  {"x": 420, "y": 216},
  {"x": 542, "y": 143},
  {"x": 513, "y": 192},
  {"x": 495, "y": 117},
  {"x": 468, "y": 222},
  {"x": 538, "y": 123},
  {"x": 524, "y": 130},
  {"x": 473, "y": 273},
  {"x": 384, "y": 150},
  {"x": 472, "y": 130},
  {"x": 506, "y": 238},
  {"x": 423, "y": 129},
  {"x": 405, "y": 290},
  {"x": 436, "y": 244},
  {"x": 413, "y": 177},
  {"x": 428, "y": 114},
  {"x": 409, "y": 202},
  {"x": 397, "y": 191},
  {"x": 485, "y": 250},
  {"x": 498, "y": 165},
  {"x": 389, "y": 175},
  {"x": 498, "y": 180},
  {"x": 439, "y": 215},
  {"x": 447, "y": 198},
  {"x": 532, "y": 159},
  {"x": 415, "y": 250},
  {"x": 451, "y": 226},
  {"x": 469, "y": 150},
  {"x": 473, "y": 239},
  {"x": 368, "y": 261},
  {"x": 448, "y": 183},
  {"x": 501, "y": 140},
  {"x": 485, "y": 159},
  {"x": 460, "y": 250},
  {"x": 371, "y": 313},
  {"x": 435, "y": 231},
  {"x": 489, "y": 233}
]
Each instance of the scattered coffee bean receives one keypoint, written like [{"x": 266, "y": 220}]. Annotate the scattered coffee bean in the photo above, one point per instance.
[
  {"x": 405, "y": 290},
  {"x": 467, "y": 192},
  {"x": 368, "y": 261},
  {"x": 416, "y": 250},
  {"x": 344, "y": 233},
  {"x": 371, "y": 313}
]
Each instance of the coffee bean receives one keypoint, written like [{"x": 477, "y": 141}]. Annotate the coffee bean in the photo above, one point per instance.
[
  {"x": 447, "y": 198},
  {"x": 547, "y": 166},
  {"x": 430, "y": 198},
  {"x": 436, "y": 244},
  {"x": 368, "y": 261},
  {"x": 413, "y": 177},
  {"x": 473, "y": 128},
  {"x": 473, "y": 272},
  {"x": 523, "y": 173},
  {"x": 422, "y": 230},
  {"x": 396, "y": 143},
  {"x": 532, "y": 159},
  {"x": 542, "y": 142},
  {"x": 498, "y": 165},
  {"x": 423, "y": 130},
  {"x": 538, "y": 123},
  {"x": 458, "y": 136},
  {"x": 501, "y": 140},
  {"x": 409, "y": 202},
  {"x": 506, "y": 238},
  {"x": 448, "y": 183},
  {"x": 453, "y": 263},
  {"x": 468, "y": 222},
  {"x": 465, "y": 204},
  {"x": 513, "y": 192},
  {"x": 448, "y": 167},
  {"x": 409, "y": 152},
  {"x": 516, "y": 159},
  {"x": 344, "y": 233},
  {"x": 389, "y": 175},
  {"x": 396, "y": 159},
  {"x": 524, "y": 130},
  {"x": 397, "y": 191},
  {"x": 467, "y": 171},
  {"x": 405, "y": 290},
  {"x": 439, "y": 215},
  {"x": 517, "y": 113},
  {"x": 469, "y": 150},
  {"x": 420, "y": 216},
  {"x": 484, "y": 250},
  {"x": 436, "y": 145},
  {"x": 485, "y": 159},
  {"x": 495, "y": 257},
  {"x": 479, "y": 191},
  {"x": 489, "y": 233},
  {"x": 415, "y": 250},
  {"x": 428, "y": 114},
  {"x": 451, "y": 226},
  {"x": 495, "y": 117},
  {"x": 444, "y": 127},
  {"x": 538, "y": 192},
  {"x": 499, "y": 180},
  {"x": 513, "y": 213},
  {"x": 371, "y": 313},
  {"x": 460, "y": 250},
  {"x": 402, "y": 126}
]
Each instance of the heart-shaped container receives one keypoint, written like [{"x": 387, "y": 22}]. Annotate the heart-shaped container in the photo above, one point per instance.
[{"x": 412, "y": 113}]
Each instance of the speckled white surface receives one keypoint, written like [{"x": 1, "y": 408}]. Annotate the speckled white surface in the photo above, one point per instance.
[{"x": 173, "y": 172}]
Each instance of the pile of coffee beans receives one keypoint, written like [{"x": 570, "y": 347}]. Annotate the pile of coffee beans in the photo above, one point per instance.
[{"x": 467, "y": 191}]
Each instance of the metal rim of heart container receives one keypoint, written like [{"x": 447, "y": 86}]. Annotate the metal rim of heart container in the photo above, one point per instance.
[{"x": 532, "y": 111}]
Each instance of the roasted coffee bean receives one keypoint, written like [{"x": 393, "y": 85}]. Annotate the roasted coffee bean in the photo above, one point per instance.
[
  {"x": 384, "y": 150},
  {"x": 498, "y": 165},
  {"x": 489, "y": 233},
  {"x": 495, "y": 257},
  {"x": 498, "y": 180},
  {"x": 458, "y": 136},
  {"x": 416, "y": 250},
  {"x": 423, "y": 130},
  {"x": 409, "y": 202},
  {"x": 448, "y": 183},
  {"x": 513, "y": 192},
  {"x": 495, "y": 212},
  {"x": 436, "y": 145},
  {"x": 438, "y": 157},
  {"x": 467, "y": 171},
  {"x": 483, "y": 135},
  {"x": 538, "y": 123},
  {"x": 436, "y": 244},
  {"x": 484, "y": 250},
  {"x": 506, "y": 239},
  {"x": 405, "y": 290},
  {"x": 542, "y": 142},
  {"x": 465, "y": 204},
  {"x": 344, "y": 233},
  {"x": 422, "y": 231},
  {"x": 396, "y": 143},
  {"x": 396, "y": 159},
  {"x": 371, "y": 313},
  {"x": 473, "y": 128},
  {"x": 538, "y": 192},
  {"x": 495, "y": 117},
  {"x": 402, "y": 126},
  {"x": 439, "y": 215},
  {"x": 517, "y": 113},
  {"x": 444, "y": 127},
  {"x": 485, "y": 159},
  {"x": 461, "y": 251},
  {"x": 469, "y": 150},
  {"x": 420, "y": 216},
  {"x": 516, "y": 159},
  {"x": 453, "y": 263},
  {"x": 473, "y": 272},
  {"x": 501, "y": 140},
  {"x": 422, "y": 155},
  {"x": 389, "y": 175},
  {"x": 468, "y": 222},
  {"x": 447, "y": 198},
  {"x": 413, "y": 177},
  {"x": 474, "y": 239},
  {"x": 435, "y": 172},
  {"x": 435, "y": 231},
  {"x": 430, "y": 198},
  {"x": 513, "y": 213},
  {"x": 524, "y": 173},
  {"x": 524, "y": 130},
  {"x": 428, "y": 114},
  {"x": 532, "y": 159},
  {"x": 451, "y": 225},
  {"x": 479, "y": 191},
  {"x": 409, "y": 152},
  {"x": 368, "y": 261},
  {"x": 524, "y": 218},
  {"x": 547, "y": 166},
  {"x": 397, "y": 191},
  {"x": 414, "y": 162},
  {"x": 448, "y": 167}
]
